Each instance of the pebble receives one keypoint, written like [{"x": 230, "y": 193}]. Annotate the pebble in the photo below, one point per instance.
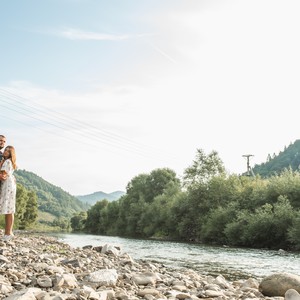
[{"x": 39, "y": 267}]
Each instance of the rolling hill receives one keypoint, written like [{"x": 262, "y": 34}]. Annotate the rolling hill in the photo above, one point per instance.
[
  {"x": 289, "y": 157},
  {"x": 51, "y": 199},
  {"x": 91, "y": 199}
]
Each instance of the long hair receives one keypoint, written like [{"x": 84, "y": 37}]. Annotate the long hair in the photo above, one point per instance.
[{"x": 12, "y": 155}]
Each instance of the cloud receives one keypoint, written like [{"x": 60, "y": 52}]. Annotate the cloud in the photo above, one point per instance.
[{"x": 78, "y": 34}]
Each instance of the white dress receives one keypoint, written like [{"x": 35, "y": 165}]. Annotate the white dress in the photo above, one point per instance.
[{"x": 8, "y": 190}]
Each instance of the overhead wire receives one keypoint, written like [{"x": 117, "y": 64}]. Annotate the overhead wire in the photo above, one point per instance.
[
  {"x": 54, "y": 133},
  {"x": 62, "y": 118},
  {"x": 103, "y": 141},
  {"x": 61, "y": 121}
]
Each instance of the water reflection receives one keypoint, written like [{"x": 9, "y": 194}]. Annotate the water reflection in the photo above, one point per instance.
[{"x": 233, "y": 263}]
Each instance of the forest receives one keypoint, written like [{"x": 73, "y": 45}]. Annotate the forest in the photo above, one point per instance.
[{"x": 207, "y": 205}]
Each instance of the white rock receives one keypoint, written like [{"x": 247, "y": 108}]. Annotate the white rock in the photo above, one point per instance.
[
  {"x": 291, "y": 294},
  {"x": 145, "y": 278},
  {"x": 106, "y": 277},
  {"x": 211, "y": 293},
  {"x": 27, "y": 294}
]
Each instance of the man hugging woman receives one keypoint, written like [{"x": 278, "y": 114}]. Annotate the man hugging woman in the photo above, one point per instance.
[{"x": 7, "y": 187}]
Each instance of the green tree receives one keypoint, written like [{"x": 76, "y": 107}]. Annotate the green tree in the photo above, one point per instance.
[
  {"x": 31, "y": 210},
  {"x": 266, "y": 227},
  {"x": 156, "y": 219},
  {"x": 26, "y": 207},
  {"x": 78, "y": 221},
  {"x": 158, "y": 181},
  {"x": 286, "y": 184},
  {"x": 202, "y": 181},
  {"x": 136, "y": 205},
  {"x": 136, "y": 188},
  {"x": 21, "y": 202},
  {"x": 294, "y": 232},
  {"x": 212, "y": 230},
  {"x": 120, "y": 224},
  {"x": 112, "y": 215},
  {"x": 183, "y": 218},
  {"x": 93, "y": 220},
  {"x": 62, "y": 222},
  {"x": 203, "y": 168}
]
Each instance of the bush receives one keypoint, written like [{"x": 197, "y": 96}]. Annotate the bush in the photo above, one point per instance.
[{"x": 267, "y": 227}]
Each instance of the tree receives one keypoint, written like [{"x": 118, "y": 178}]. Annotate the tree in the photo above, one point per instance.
[
  {"x": 21, "y": 200},
  {"x": 215, "y": 222},
  {"x": 156, "y": 219},
  {"x": 78, "y": 221},
  {"x": 205, "y": 173},
  {"x": 31, "y": 211},
  {"x": 203, "y": 168},
  {"x": 294, "y": 232},
  {"x": 136, "y": 188},
  {"x": 93, "y": 216},
  {"x": 148, "y": 186},
  {"x": 137, "y": 203},
  {"x": 26, "y": 207},
  {"x": 266, "y": 227},
  {"x": 158, "y": 181}
]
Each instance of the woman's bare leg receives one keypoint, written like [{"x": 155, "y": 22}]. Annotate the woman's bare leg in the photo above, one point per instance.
[{"x": 9, "y": 223}]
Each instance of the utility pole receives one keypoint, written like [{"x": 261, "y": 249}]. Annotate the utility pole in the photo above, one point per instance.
[{"x": 248, "y": 164}]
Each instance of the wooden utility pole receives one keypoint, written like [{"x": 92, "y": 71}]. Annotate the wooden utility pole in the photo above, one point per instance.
[{"x": 248, "y": 164}]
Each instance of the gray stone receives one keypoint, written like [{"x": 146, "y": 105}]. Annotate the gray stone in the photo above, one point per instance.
[
  {"x": 277, "y": 284},
  {"x": 44, "y": 281}
]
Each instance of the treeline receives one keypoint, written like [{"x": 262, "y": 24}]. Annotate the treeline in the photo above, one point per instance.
[
  {"x": 207, "y": 206},
  {"x": 276, "y": 163}
]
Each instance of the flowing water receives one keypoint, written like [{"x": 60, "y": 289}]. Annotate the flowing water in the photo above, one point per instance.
[{"x": 232, "y": 263}]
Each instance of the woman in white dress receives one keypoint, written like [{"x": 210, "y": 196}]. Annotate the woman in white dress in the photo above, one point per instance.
[{"x": 8, "y": 190}]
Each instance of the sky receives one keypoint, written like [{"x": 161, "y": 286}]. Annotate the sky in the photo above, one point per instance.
[{"x": 94, "y": 93}]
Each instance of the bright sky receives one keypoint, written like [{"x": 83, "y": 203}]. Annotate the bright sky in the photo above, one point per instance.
[{"x": 94, "y": 93}]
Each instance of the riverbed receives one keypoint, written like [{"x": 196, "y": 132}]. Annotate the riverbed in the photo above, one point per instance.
[{"x": 231, "y": 262}]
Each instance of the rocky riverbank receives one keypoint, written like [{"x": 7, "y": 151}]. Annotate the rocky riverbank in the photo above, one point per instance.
[{"x": 36, "y": 266}]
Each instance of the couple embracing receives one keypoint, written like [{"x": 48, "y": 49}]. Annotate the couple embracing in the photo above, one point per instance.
[{"x": 7, "y": 187}]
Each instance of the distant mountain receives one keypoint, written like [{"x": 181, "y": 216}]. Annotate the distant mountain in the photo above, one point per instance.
[
  {"x": 91, "y": 199},
  {"x": 51, "y": 199},
  {"x": 275, "y": 164}
]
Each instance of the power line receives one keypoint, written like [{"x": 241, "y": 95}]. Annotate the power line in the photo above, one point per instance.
[
  {"x": 62, "y": 119},
  {"x": 50, "y": 117}
]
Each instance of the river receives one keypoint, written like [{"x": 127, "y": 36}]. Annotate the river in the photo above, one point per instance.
[{"x": 232, "y": 263}]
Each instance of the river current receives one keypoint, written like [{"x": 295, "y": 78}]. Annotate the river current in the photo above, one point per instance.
[{"x": 232, "y": 263}]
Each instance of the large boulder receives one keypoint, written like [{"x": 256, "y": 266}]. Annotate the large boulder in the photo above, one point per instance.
[{"x": 277, "y": 284}]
